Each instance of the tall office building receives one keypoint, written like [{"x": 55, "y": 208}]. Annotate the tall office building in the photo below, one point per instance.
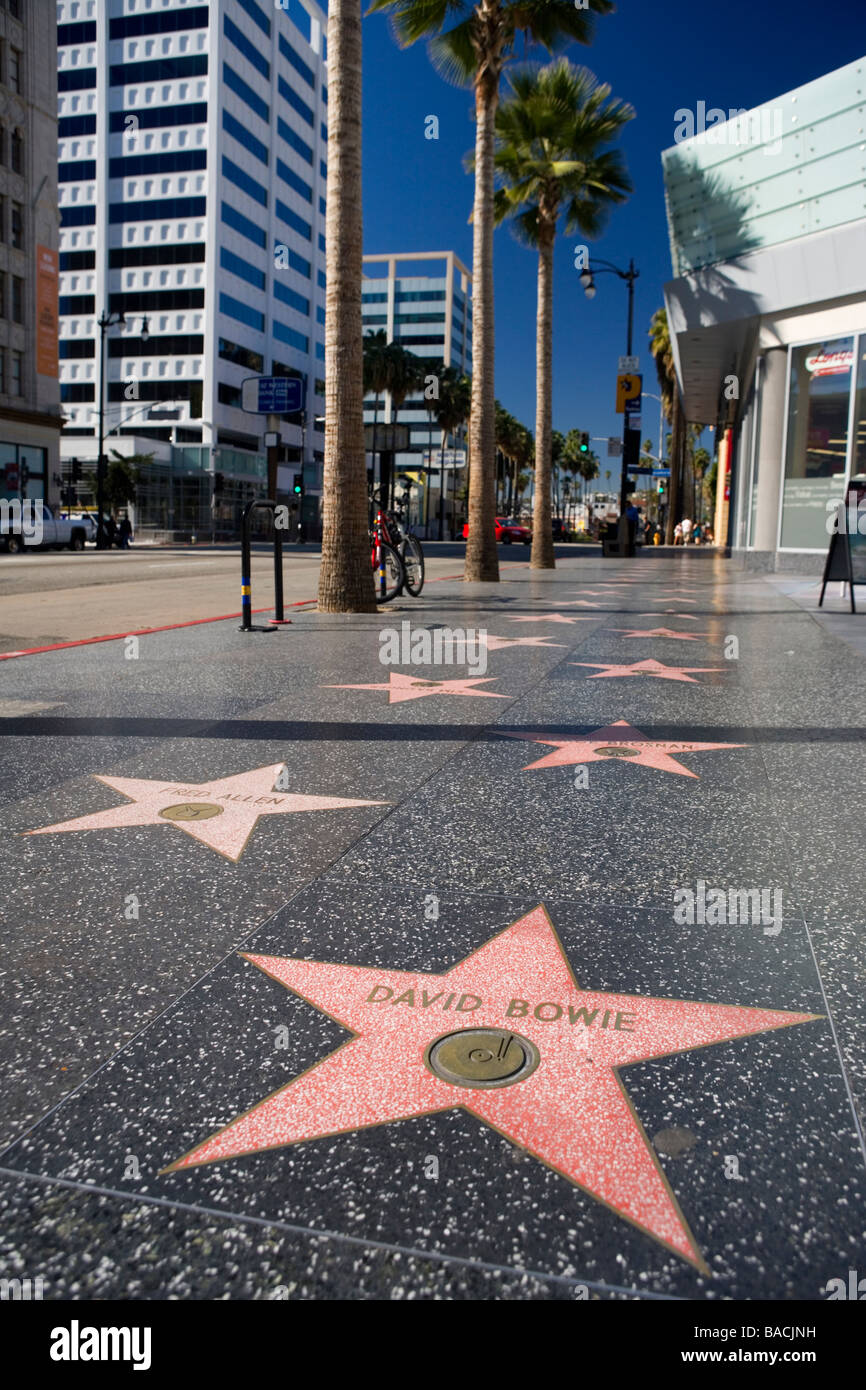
[
  {"x": 30, "y": 417},
  {"x": 430, "y": 315},
  {"x": 192, "y": 195}
]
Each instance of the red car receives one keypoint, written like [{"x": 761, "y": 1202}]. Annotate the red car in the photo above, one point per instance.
[{"x": 507, "y": 530}]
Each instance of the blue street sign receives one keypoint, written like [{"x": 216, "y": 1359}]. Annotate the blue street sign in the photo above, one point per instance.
[
  {"x": 272, "y": 395},
  {"x": 661, "y": 472}
]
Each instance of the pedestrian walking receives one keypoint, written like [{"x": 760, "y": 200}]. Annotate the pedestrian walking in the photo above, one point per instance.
[
  {"x": 687, "y": 529},
  {"x": 678, "y": 533},
  {"x": 125, "y": 532}
]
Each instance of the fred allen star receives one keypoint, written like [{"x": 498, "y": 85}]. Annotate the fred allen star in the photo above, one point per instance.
[
  {"x": 508, "y": 1035},
  {"x": 221, "y": 814}
]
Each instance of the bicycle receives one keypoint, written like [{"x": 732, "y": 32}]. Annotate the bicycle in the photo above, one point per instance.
[
  {"x": 407, "y": 545},
  {"x": 388, "y": 570}
]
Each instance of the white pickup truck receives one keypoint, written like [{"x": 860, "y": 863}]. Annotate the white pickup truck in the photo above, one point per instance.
[{"x": 30, "y": 525}]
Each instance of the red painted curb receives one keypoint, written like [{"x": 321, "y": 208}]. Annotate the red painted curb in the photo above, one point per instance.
[
  {"x": 168, "y": 627},
  {"x": 137, "y": 632}
]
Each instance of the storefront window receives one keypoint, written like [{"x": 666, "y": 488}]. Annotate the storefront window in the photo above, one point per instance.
[
  {"x": 13, "y": 461},
  {"x": 858, "y": 462},
  {"x": 820, "y": 393}
]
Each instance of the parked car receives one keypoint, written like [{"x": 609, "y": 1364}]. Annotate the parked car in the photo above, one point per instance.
[
  {"x": 507, "y": 530},
  {"x": 35, "y": 526}
]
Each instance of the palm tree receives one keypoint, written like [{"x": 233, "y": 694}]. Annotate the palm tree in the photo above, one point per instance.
[
  {"x": 549, "y": 161},
  {"x": 346, "y": 574},
  {"x": 700, "y": 464},
  {"x": 451, "y": 410},
  {"x": 470, "y": 42},
  {"x": 377, "y": 371},
  {"x": 660, "y": 347}
]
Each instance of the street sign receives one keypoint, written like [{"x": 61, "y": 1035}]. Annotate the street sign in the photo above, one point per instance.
[
  {"x": 449, "y": 458},
  {"x": 628, "y": 364},
  {"x": 641, "y": 469},
  {"x": 272, "y": 395},
  {"x": 661, "y": 472},
  {"x": 628, "y": 388},
  {"x": 386, "y": 439},
  {"x": 614, "y": 447}
]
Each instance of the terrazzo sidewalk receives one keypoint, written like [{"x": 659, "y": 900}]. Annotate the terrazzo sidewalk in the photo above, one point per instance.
[{"x": 534, "y": 977}]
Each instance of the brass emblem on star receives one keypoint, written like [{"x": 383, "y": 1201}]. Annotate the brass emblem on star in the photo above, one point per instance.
[
  {"x": 191, "y": 810},
  {"x": 482, "y": 1057}
]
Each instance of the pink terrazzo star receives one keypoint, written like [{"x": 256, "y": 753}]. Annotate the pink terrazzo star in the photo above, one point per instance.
[
  {"x": 572, "y": 1111},
  {"x": 650, "y": 667},
  {"x": 496, "y": 644},
  {"x": 659, "y": 632},
  {"x": 617, "y": 741},
  {"x": 221, "y": 814},
  {"x": 554, "y": 618},
  {"x": 401, "y": 688}
]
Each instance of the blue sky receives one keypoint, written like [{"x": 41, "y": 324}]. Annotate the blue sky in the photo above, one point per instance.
[{"x": 658, "y": 57}]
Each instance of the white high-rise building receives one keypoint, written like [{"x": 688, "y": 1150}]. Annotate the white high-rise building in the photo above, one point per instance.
[{"x": 192, "y": 169}]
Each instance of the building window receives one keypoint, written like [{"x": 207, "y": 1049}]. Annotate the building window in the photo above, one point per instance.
[
  {"x": 2, "y": 218},
  {"x": 15, "y": 376},
  {"x": 2, "y": 371},
  {"x": 17, "y": 299},
  {"x": 817, "y": 440},
  {"x": 17, "y": 150},
  {"x": 14, "y": 73},
  {"x": 18, "y": 226},
  {"x": 241, "y": 356},
  {"x": 2, "y": 294}
]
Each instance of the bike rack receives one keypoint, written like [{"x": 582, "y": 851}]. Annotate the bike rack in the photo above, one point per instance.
[{"x": 278, "y": 620}]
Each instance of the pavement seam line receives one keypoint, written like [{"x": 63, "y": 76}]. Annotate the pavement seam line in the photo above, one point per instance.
[{"x": 367, "y": 1242}]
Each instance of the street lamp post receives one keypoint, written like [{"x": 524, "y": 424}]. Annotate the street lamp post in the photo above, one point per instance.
[
  {"x": 630, "y": 275},
  {"x": 106, "y": 321}
]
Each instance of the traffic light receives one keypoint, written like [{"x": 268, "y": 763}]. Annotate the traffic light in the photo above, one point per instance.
[
  {"x": 661, "y": 487},
  {"x": 584, "y": 443},
  {"x": 298, "y": 485},
  {"x": 76, "y": 470}
]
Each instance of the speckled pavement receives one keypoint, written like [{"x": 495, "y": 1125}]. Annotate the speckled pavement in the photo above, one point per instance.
[{"x": 480, "y": 1017}]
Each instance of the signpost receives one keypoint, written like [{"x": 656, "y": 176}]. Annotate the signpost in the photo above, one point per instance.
[
  {"x": 846, "y": 557},
  {"x": 272, "y": 396},
  {"x": 614, "y": 446}
]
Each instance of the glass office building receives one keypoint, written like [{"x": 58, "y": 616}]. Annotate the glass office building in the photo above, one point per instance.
[
  {"x": 192, "y": 176},
  {"x": 767, "y": 223},
  {"x": 431, "y": 316}
]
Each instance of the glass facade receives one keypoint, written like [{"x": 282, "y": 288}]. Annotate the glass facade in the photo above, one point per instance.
[
  {"x": 816, "y": 446},
  {"x": 13, "y": 459}
]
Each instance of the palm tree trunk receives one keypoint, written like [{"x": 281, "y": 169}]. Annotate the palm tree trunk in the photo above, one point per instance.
[
  {"x": 482, "y": 562},
  {"x": 676, "y": 450},
  {"x": 346, "y": 573},
  {"x": 542, "y": 527}
]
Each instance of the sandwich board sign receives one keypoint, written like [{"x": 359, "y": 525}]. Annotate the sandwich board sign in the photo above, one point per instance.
[{"x": 846, "y": 556}]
